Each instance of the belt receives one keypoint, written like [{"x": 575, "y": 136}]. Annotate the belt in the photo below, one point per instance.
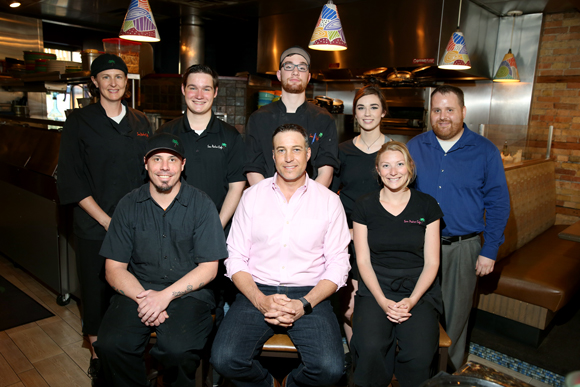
[{"x": 447, "y": 240}]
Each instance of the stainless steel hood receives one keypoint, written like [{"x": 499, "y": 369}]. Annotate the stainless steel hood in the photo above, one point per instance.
[{"x": 402, "y": 34}]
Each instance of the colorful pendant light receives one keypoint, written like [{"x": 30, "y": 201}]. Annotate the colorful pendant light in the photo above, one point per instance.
[
  {"x": 328, "y": 34},
  {"x": 139, "y": 23},
  {"x": 456, "y": 56},
  {"x": 508, "y": 69}
]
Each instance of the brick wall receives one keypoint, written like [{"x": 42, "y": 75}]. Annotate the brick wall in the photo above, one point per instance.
[{"x": 556, "y": 101}]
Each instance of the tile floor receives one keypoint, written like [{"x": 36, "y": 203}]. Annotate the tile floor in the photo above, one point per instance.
[
  {"x": 49, "y": 352},
  {"x": 52, "y": 352}
]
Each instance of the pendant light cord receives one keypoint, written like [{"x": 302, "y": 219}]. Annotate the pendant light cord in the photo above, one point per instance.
[
  {"x": 459, "y": 16},
  {"x": 513, "y": 24}
]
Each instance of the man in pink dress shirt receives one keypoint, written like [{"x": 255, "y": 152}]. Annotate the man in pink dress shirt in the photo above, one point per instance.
[{"x": 287, "y": 254}]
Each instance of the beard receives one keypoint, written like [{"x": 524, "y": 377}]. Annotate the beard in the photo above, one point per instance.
[
  {"x": 295, "y": 88},
  {"x": 164, "y": 187},
  {"x": 449, "y": 132}
]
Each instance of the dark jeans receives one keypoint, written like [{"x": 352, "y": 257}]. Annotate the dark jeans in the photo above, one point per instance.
[
  {"x": 243, "y": 332},
  {"x": 375, "y": 339},
  {"x": 180, "y": 340}
]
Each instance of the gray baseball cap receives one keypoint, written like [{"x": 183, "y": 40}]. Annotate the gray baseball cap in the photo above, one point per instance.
[{"x": 296, "y": 50}]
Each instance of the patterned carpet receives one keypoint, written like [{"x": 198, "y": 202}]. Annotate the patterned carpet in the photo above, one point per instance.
[{"x": 514, "y": 364}]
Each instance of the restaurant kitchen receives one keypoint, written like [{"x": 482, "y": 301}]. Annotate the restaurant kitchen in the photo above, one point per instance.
[{"x": 245, "y": 39}]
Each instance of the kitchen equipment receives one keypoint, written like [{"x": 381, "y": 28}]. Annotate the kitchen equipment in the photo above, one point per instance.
[
  {"x": 84, "y": 102},
  {"x": 127, "y": 50},
  {"x": 337, "y": 106},
  {"x": 87, "y": 57},
  {"x": 20, "y": 110},
  {"x": 324, "y": 102}
]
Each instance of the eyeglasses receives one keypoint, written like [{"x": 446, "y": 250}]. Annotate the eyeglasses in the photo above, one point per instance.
[{"x": 289, "y": 66}]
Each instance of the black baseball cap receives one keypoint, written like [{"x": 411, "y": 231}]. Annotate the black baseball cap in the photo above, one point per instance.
[
  {"x": 107, "y": 62},
  {"x": 164, "y": 141}
]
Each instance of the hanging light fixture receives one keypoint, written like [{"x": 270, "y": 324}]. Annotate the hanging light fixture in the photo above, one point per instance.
[
  {"x": 14, "y": 4},
  {"x": 456, "y": 56},
  {"x": 508, "y": 69},
  {"x": 328, "y": 34},
  {"x": 139, "y": 23}
]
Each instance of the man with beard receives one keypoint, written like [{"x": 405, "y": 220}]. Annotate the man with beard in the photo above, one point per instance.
[
  {"x": 292, "y": 108},
  {"x": 463, "y": 171},
  {"x": 162, "y": 248}
]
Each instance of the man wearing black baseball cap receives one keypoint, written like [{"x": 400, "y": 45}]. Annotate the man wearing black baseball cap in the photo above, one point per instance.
[
  {"x": 162, "y": 249},
  {"x": 292, "y": 108}
]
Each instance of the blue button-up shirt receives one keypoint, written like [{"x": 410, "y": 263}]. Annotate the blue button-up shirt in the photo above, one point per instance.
[{"x": 466, "y": 181}]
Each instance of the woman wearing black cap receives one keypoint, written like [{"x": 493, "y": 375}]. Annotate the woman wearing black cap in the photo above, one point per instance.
[{"x": 100, "y": 161}]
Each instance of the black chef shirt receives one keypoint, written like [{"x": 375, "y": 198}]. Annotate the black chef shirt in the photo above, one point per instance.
[
  {"x": 318, "y": 123},
  {"x": 102, "y": 159},
  {"x": 213, "y": 159},
  {"x": 163, "y": 246}
]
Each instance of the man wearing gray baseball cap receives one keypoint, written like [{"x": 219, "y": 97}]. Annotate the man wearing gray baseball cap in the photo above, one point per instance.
[{"x": 292, "y": 108}]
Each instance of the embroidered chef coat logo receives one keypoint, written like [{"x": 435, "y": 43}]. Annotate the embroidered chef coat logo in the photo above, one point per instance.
[
  {"x": 420, "y": 221},
  {"x": 142, "y": 134},
  {"x": 221, "y": 146}
]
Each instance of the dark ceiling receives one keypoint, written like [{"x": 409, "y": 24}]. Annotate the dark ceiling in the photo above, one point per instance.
[{"x": 107, "y": 15}]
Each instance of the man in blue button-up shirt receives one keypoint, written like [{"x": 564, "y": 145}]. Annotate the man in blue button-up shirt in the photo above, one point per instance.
[{"x": 464, "y": 172}]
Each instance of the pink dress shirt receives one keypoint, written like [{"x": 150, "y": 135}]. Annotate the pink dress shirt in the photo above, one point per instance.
[{"x": 295, "y": 243}]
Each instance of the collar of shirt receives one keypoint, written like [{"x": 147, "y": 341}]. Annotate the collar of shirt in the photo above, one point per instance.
[
  {"x": 211, "y": 125},
  {"x": 282, "y": 107},
  {"x": 468, "y": 138},
  {"x": 119, "y": 127},
  {"x": 145, "y": 194},
  {"x": 296, "y": 195}
]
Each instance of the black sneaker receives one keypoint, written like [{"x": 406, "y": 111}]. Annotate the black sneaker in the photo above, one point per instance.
[
  {"x": 96, "y": 373},
  {"x": 94, "y": 368}
]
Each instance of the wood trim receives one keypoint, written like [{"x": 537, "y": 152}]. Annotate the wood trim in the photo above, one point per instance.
[
  {"x": 532, "y": 315},
  {"x": 527, "y": 163},
  {"x": 558, "y": 79}
]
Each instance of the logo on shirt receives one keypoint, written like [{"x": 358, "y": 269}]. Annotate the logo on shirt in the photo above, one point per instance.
[
  {"x": 420, "y": 221},
  {"x": 315, "y": 137},
  {"x": 143, "y": 134},
  {"x": 222, "y": 146}
]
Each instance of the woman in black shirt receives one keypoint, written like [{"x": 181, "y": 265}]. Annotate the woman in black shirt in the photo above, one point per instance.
[
  {"x": 100, "y": 161},
  {"x": 356, "y": 175},
  {"x": 396, "y": 237}
]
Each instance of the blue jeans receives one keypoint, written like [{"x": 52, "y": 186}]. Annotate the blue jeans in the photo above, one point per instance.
[{"x": 244, "y": 331}]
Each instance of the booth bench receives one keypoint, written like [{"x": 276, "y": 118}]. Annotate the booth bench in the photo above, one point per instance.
[{"x": 536, "y": 272}]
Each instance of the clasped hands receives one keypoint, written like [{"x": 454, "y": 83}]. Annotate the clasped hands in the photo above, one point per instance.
[
  {"x": 152, "y": 307},
  {"x": 397, "y": 312},
  {"x": 280, "y": 310}
]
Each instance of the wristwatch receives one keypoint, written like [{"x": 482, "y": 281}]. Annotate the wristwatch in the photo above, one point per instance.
[{"x": 306, "y": 305}]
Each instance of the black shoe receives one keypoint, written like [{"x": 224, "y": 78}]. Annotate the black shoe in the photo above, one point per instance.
[
  {"x": 96, "y": 373},
  {"x": 94, "y": 368}
]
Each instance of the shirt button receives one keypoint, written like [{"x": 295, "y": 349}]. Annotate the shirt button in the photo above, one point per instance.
[
  {"x": 165, "y": 257},
  {"x": 287, "y": 222},
  {"x": 197, "y": 150},
  {"x": 164, "y": 234},
  {"x": 442, "y": 170},
  {"x": 439, "y": 188},
  {"x": 283, "y": 267},
  {"x": 284, "y": 245},
  {"x": 164, "y": 214}
]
